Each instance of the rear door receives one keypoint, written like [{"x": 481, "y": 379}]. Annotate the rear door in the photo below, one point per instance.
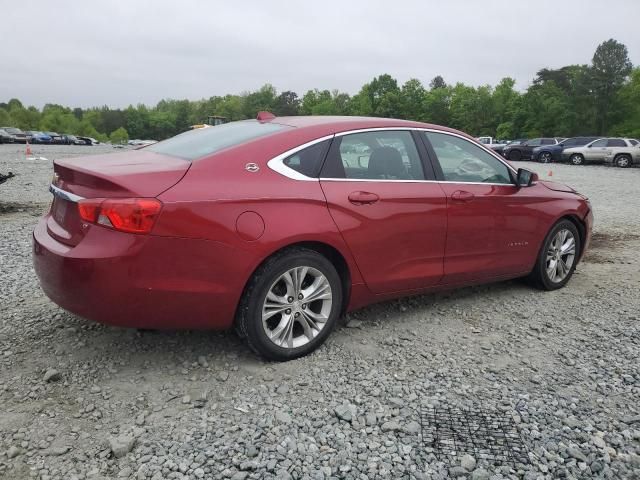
[
  {"x": 389, "y": 210},
  {"x": 491, "y": 231}
]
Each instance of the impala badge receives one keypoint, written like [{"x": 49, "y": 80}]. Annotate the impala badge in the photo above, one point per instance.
[{"x": 251, "y": 167}]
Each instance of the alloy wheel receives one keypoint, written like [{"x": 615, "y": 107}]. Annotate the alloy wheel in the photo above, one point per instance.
[
  {"x": 622, "y": 161},
  {"x": 576, "y": 159},
  {"x": 297, "y": 307},
  {"x": 561, "y": 254},
  {"x": 545, "y": 157}
]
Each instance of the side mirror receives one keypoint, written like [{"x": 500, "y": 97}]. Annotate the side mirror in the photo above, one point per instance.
[{"x": 525, "y": 178}]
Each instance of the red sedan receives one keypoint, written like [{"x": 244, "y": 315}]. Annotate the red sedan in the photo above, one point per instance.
[{"x": 279, "y": 225}]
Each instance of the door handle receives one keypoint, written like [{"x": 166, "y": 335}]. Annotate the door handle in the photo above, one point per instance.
[
  {"x": 462, "y": 196},
  {"x": 363, "y": 198}
]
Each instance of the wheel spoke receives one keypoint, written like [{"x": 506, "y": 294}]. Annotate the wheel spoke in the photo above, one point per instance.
[
  {"x": 318, "y": 290},
  {"x": 569, "y": 247}
]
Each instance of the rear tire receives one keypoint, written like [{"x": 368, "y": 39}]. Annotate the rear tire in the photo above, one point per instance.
[
  {"x": 623, "y": 161},
  {"x": 273, "y": 316},
  {"x": 515, "y": 155},
  {"x": 576, "y": 159},
  {"x": 558, "y": 257}
]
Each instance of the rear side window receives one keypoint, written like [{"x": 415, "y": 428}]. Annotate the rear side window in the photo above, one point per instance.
[
  {"x": 548, "y": 141},
  {"x": 633, "y": 142},
  {"x": 309, "y": 160},
  {"x": 205, "y": 141},
  {"x": 616, "y": 142},
  {"x": 381, "y": 155}
]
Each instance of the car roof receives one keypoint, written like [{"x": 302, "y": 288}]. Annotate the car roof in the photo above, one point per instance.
[{"x": 326, "y": 125}]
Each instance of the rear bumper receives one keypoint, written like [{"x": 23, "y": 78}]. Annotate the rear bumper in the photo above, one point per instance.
[{"x": 141, "y": 281}]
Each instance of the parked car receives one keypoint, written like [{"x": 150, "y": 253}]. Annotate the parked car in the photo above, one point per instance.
[
  {"x": 523, "y": 150},
  {"x": 55, "y": 138},
  {"x": 597, "y": 151},
  {"x": 624, "y": 157},
  {"x": 18, "y": 135},
  {"x": 278, "y": 226},
  {"x": 553, "y": 153},
  {"x": 39, "y": 137},
  {"x": 492, "y": 143},
  {"x": 88, "y": 141},
  {"x": 6, "y": 137},
  {"x": 71, "y": 139}
]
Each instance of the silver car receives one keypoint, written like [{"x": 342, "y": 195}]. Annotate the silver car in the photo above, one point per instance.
[
  {"x": 599, "y": 150},
  {"x": 625, "y": 157}
]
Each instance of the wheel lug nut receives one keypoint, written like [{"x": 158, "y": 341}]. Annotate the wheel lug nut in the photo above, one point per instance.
[
  {"x": 297, "y": 314},
  {"x": 304, "y": 306},
  {"x": 300, "y": 296},
  {"x": 288, "y": 311},
  {"x": 290, "y": 299}
]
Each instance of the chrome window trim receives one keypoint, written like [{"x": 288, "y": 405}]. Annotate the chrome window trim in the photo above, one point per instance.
[
  {"x": 277, "y": 163},
  {"x": 58, "y": 192},
  {"x": 413, "y": 181}
]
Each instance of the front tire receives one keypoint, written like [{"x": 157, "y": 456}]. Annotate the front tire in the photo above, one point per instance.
[
  {"x": 576, "y": 159},
  {"x": 623, "y": 161},
  {"x": 290, "y": 305},
  {"x": 558, "y": 257},
  {"x": 545, "y": 157},
  {"x": 515, "y": 155}
]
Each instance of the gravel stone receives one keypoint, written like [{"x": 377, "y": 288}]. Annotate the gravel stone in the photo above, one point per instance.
[
  {"x": 468, "y": 462},
  {"x": 52, "y": 375},
  {"x": 121, "y": 445}
]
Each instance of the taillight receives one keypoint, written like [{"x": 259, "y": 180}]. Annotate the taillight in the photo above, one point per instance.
[{"x": 133, "y": 215}]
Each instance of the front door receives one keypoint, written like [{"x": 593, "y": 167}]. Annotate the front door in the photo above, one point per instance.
[
  {"x": 393, "y": 220},
  {"x": 490, "y": 229}
]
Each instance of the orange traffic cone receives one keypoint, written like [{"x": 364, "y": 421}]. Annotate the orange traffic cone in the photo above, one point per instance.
[
  {"x": 28, "y": 151},
  {"x": 550, "y": 173}
]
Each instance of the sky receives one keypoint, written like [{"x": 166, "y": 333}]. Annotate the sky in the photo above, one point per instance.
[{"x": 120, "y": 52}]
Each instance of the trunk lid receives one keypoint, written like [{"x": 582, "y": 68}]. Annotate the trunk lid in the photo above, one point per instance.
[{"x": 136, "y": 173}]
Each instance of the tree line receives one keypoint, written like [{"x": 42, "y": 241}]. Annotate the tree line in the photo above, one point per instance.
[{"x": 601, "y": 98}]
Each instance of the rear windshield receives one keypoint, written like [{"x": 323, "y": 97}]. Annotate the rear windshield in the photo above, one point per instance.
[{"x": 205, "y": 141}]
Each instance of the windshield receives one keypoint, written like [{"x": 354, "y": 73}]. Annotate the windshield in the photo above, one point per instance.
[{"x": 205, "y": 141}]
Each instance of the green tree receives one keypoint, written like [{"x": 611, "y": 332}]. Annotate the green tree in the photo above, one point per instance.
[
  {"x": 437, "y": 82},
  {"x": 610, "y": 67},
  {"x": 412, "y": 96},
  {"x": 119, "y": 136},
  {"x": 286, "y": 104}
]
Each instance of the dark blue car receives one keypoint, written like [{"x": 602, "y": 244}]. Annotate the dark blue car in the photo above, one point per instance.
[
  {"x": 39, "y": 137},
  {"x": 553, "y": 153}
]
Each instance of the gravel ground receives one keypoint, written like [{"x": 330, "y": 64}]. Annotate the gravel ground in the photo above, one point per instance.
[{"x": 86, "y": 401}]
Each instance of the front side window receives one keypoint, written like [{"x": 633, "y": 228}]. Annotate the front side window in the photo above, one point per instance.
[
  {"x": 599, "y": 143},
  {"x": 379, "y": 155},
  {"x": 309, "y": 160},
  {"x": 571, "y": 142},
  {"x": 548, "y": 141},
  {"x": 616, "y": 142},
  {"x": 463, "y": 161},
  {"x": 536, "y": 142}
]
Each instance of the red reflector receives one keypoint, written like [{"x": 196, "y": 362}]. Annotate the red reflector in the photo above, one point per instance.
[{"x": 134, "y": 215}]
